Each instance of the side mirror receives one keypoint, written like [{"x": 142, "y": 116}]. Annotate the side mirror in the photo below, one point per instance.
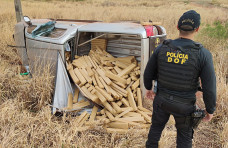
[{"x": 27, "y": 20}]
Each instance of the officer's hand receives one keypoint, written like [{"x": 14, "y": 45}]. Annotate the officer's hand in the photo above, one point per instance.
[
  {"x": 150, "y": 94},
  {"x": 208, "y": 117},
  {"x": 199, "y": 94}
]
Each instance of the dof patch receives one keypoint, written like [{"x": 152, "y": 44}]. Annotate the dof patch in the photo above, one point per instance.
[{"x": 176, "y": 57}]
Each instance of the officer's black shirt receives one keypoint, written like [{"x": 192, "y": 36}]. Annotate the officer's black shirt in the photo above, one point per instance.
[{"x": 207, "y": 75}]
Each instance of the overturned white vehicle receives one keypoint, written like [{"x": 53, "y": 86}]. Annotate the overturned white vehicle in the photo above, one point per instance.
[{"x": 47, "y": 40}]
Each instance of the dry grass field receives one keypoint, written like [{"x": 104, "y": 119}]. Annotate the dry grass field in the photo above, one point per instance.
[{"x": 25, "y": 117}]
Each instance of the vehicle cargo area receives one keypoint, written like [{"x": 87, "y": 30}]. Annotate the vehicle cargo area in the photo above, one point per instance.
[{"x": 106, "y": 70}]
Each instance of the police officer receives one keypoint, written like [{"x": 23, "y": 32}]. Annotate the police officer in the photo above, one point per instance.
[{"x": 177, "y": 66}]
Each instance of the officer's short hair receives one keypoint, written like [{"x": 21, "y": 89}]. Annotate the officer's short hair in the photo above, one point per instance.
[{"x": 186, "y": 27}]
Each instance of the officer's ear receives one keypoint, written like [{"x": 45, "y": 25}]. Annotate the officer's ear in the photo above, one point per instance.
[
  {"x": 197, "y": 29},
  {"x": 178, "y": 28}
]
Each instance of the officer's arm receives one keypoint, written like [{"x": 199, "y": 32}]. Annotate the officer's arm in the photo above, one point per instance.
[
  {"x": 150, "y": 72},
  {"x": 208, "y": 80}
]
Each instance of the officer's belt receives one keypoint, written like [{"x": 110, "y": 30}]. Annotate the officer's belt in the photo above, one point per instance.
[{"x": 176, "y": 98}]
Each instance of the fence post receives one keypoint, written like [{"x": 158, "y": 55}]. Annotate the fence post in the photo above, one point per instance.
[{"x": 18, "y": 10}]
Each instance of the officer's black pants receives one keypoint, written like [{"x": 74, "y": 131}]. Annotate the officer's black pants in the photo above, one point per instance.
[{"x": 161, "y": 113}]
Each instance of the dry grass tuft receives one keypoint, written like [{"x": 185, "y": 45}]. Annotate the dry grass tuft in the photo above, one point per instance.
[
  {"x": 33, "y": 93},
  {"x": 26, "y": 120}
]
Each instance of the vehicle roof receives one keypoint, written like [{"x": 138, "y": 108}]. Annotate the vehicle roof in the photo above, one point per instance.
[{"x": 118, "y": 28}]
